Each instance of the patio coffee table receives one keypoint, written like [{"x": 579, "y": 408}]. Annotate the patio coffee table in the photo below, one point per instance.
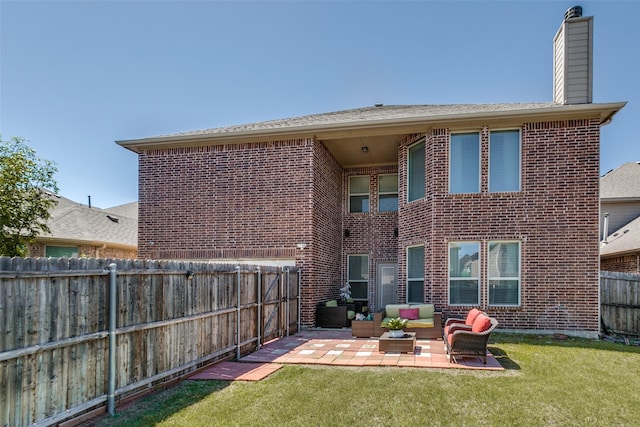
[{"x": 406, "y": 344}]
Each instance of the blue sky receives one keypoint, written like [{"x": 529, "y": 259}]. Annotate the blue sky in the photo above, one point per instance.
[{"x": 75, "y": 76}]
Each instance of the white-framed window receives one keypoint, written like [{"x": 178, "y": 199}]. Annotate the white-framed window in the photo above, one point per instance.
[
  {"x": 416, "y": 171},
  {"x": 464, "y": 273},
  {"x": 358, "y": 276},
  {"x": 415, "y": 274},
  {"x": 504, "y": 161},
  {"x": 503, "y": 272},
  {"x": 388, "y": 193},
  {"x": 464, "y": 163},
  {"x": 359, "y": 193}
]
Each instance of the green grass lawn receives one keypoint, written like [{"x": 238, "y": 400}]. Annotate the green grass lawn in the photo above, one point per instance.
[{"x": 574, "y": 382}]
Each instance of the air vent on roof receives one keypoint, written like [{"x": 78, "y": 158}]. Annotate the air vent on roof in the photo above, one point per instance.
[
  {"x": 574, "y": 12},
  {"x": 113, "y": 218}
]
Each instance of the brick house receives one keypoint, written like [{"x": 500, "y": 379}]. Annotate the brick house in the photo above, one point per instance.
[
  {"x": 620, "y": 219},
  {"x": 491, "y": 205},
  {"x": 78, "y": 230}
]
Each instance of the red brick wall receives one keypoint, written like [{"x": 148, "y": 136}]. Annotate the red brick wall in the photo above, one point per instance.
[
  {"x": 321, "y": 261},
  {"x": 555, "y": 217},
  {"x": 623, "y": 264},
  {"x": 254, "y": 200},
  {"x": 225, "y": 201},
  {"x": 370, "y": 233},
  {"x": 259, "y": 200}
]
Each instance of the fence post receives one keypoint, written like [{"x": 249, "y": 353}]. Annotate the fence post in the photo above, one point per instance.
[
  {"x": 259, "y": 314},
  {"x": 287, "y": 300},
  {"x": 111, "y": 393},
  {"x": 238, "y": 313},
  {"x": 299, "y": 296}
]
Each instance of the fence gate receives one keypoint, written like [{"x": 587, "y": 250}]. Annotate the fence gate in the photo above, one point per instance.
[
  {"x": 620, "y": 303},
  {"x": 280, "y": 302}
]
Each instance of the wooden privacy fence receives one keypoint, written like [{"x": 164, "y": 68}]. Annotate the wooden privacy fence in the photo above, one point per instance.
[
  {"x": 77, "y": 335},
  {"x": 620, "y": 303}
]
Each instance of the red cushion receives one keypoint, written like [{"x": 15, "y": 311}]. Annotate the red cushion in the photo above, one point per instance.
[
  {"x": 481, "y": 324},
  {"x": 471, "y": 317},
  {"x": 409, "y": 313}
]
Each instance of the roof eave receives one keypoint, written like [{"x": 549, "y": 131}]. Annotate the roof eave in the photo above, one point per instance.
[
  {"x": 605, "y": 112},
  {"x": 623, "y": 252},
  {"x": 619, "y": 199}
]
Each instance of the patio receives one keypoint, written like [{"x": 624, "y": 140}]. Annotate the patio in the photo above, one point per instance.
[{"x": 337, "y": 348}]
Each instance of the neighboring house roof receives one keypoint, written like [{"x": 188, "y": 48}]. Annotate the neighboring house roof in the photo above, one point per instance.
[
  {"x": 129, "y": 210},
  {"x": 76, "y": 223},
  {"x": 622, "y": 183},
  {"x": 623, "y": 241}
]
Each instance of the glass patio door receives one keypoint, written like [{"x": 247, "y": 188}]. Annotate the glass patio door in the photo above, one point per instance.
[{"x": 386, "y": 289}]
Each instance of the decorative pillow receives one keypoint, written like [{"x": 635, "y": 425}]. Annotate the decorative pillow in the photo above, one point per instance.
[
  {"x": 473, "y": 313},
  {"x": 393, "y": 310},
  {"x": 426, "y": 310},
  {"x": 332, "y": 303},
  {"x": 481, "y": 324},
  {"x": 409, "y": 313},
  {"x": 351, "y": 314}
]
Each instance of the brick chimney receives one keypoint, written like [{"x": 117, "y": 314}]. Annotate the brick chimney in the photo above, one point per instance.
[{"x": 573, "y": 59}]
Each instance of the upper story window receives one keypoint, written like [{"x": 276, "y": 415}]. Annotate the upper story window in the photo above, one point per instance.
[
  {"x": 415, "y": 171},
  {"x": 415, "y": 274},
  {"x": 388, "y": 193},
  {"x": 359, "y": 194},
  {"x": 464, "y": 273},
  {"x": 464, "y": 163},
  {"x": 504, "y": 161}
]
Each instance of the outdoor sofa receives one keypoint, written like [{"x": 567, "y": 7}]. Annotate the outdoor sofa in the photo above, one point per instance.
[{"x": 423, "y": 319}]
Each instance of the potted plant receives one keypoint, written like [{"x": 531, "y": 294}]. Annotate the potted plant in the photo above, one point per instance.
[
  {"x": 345, "y": 293},
  {"x": 396, "y": 326}
]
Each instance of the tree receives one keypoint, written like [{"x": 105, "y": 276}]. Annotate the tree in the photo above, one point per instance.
[{"x": 25, "y": 203}]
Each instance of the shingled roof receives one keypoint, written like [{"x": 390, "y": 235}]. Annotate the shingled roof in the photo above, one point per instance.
[
  {"x": 622, "y": 183},
  {"x": 371, "y": 114},
  {"x": 75, "y": 222},
  {"x": 376, "y": 119},
  {"x": 622, "y": 241}
]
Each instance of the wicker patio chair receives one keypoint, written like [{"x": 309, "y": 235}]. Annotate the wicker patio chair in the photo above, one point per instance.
[
  {"x": 465, "y": 323},
  {"x": 464, "y": 342}
]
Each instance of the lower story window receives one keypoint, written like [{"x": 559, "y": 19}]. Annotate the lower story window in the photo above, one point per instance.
[
  {"x": 464, "y": 273},
  {"x": 61, "y": 251},
  {"x": 415, "y": 274},
  {"x": 504, "y": 273},
  {"x": 358, "y": 276}
]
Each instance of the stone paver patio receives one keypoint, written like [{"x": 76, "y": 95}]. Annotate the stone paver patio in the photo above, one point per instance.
[{"x": 337, "y": 348}]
